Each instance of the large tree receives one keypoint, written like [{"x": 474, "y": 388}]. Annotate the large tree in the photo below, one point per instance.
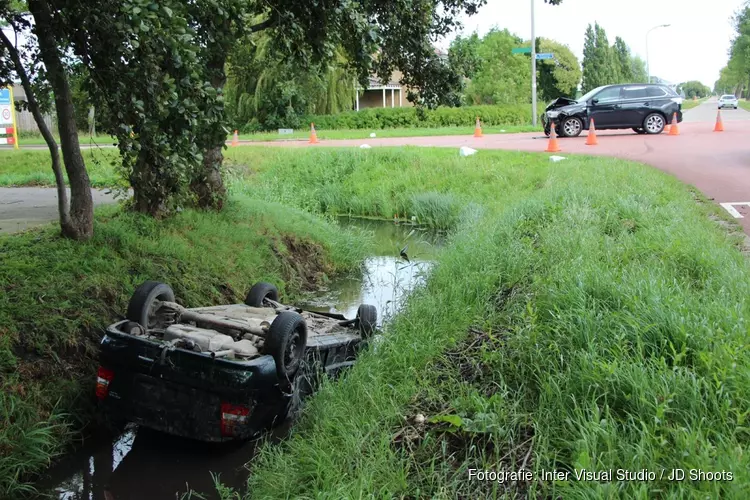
[
  {"x": 623, "y": 61},
  {"x": 152, "y": 59},
  {"x": 42, "y": 65},
  {"x": 559, "y": 76}
]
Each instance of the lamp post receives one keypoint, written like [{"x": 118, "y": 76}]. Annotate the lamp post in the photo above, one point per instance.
[
  {"x": 648, "y": 66},
  {"x": 533, "y": 68}
]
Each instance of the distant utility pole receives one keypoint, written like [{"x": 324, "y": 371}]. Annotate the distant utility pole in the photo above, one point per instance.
[{"x": 533, "y": 68}]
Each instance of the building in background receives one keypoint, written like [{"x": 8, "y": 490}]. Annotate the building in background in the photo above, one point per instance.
[
  {"x": 24, "y": 119},
  {"x": 390, "y": 94}
]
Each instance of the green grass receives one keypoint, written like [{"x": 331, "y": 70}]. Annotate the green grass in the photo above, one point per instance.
[
  {"x": 745, "y": 104},
  {"x": 32, "y": 167},
  {"x": 608, "y": 318},
  {"x": 83, "y": 139},
  {"x": 58, "y": 295},
  {"x": 690, "y": 104},
  {"x": 391, "y": 132},
  {"x": 437, "y": 186}
]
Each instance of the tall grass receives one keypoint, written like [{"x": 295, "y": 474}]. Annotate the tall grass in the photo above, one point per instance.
[
  {"x": 58, "y": 295},
  {"x": 612, "y": 319}
]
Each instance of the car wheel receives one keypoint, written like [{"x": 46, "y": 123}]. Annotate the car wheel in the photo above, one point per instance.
[
  {"x": 547, "y": 130},
  {"x": 639, "y": 130},
  {"x": 654, "y": 123},
  {"x": 367, "y": 319},
  {"x": 141, "y": 305},
  {"x": 571, "y": 127},
  {"x": 286, "y": 341},
  {"x": 260, "y": 292}
]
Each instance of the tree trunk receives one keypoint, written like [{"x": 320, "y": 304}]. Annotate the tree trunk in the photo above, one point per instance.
[
  {"x": 62, "y": 192},
  {"x": 208, "y": 185},
  {"x": 81, "y": 201}
]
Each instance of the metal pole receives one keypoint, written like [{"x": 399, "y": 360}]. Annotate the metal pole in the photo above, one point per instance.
[
  {"x": 648, "y": 66},
  {"x": 533, "y": 68}
]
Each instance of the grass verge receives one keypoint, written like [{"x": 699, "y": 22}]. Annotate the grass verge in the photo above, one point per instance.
[
  {"x": 745, "y": 104},
  {"x": 390, "y": 132},
  {"x": 58, "y": 295},
  {"x": 590, "y": 316},
  {"x": 32, "y": 167}
]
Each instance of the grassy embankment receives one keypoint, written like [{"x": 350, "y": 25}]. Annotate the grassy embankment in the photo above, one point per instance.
[
  {"x": 745, "y": 104},
  {"x": 690, "y": 104},
  {"x": 588, "y": 314},
  {"x": 303, "y": 134},
  {"x": 58, "y": 295}
]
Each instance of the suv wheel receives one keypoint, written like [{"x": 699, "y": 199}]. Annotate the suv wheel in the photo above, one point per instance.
[
  {"x": 571, "y": 127},
  {"x": 654, "y": 123}
]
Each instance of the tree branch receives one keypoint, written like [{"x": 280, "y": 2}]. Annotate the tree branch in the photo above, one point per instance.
[{"x": 261, "y": 26}]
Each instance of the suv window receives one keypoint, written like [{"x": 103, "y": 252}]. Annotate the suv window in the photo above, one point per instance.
[
  {"x": 608, "y": 95},
  {"x": 655, "y": 92},
  {"x": 634, "y": 92},
  {"x": 728, "y": 97}
]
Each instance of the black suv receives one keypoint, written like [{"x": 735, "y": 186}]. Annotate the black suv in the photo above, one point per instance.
[{"x": 646, "y": 108}]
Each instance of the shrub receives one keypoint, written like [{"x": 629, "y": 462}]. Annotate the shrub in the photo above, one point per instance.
[{"x": 382, "y": 118}]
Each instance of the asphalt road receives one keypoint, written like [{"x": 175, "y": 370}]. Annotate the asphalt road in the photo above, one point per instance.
[
  {"x": 25, "y": 207},
  {"x": 706, "y": 112}
]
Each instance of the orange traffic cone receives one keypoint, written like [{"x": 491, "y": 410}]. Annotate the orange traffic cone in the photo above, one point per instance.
[
  {"x": 719, "y": 127},
  {"x": 674, "y": 129},
  {"x": 666, "y": 128},
  {"x": 313, "y": 135},
  {"x": 591, "y": 139},
  {"x": 553, "y": 146},
  {"x": 478, "y": 129},
  {"x": 235, "y": 139}
]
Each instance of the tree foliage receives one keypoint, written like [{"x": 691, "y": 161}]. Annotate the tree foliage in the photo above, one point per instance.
[
  {"x": 735, "y": 76},
  {"x": 694, "y": 88},
  {"x": 559, "y": 76},
  {"x": 604, "y": 64}
]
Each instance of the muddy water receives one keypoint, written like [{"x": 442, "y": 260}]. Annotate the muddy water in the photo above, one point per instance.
[{"x": 144, "y": 464}]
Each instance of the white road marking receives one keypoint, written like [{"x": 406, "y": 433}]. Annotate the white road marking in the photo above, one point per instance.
[{"x": 729, "y": 207}]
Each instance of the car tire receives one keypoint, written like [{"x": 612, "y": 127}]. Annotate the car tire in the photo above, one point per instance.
[
  {"x": 571, "y": 127},
  {"x": 260, "y": 292},
  {"x": 639, "y": 130},
  {"x": 367, "y": 320},
  {"x": 142, "y": 301},
  {"x": 654, "y": 123},
  {"x": 285, "y": 342}
]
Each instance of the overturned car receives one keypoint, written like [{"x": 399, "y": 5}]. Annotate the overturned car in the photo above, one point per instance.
[
  {"x": 644, "y": 108},
  {"x": 223, "y": 372}
]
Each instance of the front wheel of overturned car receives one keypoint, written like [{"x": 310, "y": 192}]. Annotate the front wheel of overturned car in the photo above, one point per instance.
[
  {"x": 367, "y": 319},
  {"x": 260, "y": 292},
  {"x": 654, "y": 123},
  {"x": 141, "y": 306},
  {"x": 286, "y": 341},
  {"x": 571, "y": 127}
]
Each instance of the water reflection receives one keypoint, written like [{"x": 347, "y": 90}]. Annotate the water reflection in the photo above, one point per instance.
[{"x": 143, "y": 464}]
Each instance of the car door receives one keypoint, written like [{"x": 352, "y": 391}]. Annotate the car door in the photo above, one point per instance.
[
  {"x": 634, "y": 105},
  {"x": 604, "y": 106}
]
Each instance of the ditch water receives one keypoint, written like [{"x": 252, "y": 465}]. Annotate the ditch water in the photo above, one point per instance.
[{"x": 144, "y": 464}]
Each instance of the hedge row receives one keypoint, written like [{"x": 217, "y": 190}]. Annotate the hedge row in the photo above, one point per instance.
[{"x": 381, "y": 118}]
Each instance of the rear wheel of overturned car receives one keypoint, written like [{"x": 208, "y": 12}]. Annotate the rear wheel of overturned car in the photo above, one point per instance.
[
  {"x": 286, "y": 341},
  {"x": 571, "y": 127},
  {"x": 260, "y": 292},
  {"x": 141, "y": 308},
  {"x": 639, "y": 130},
  {"x": 367, "y": 319},
  {"x": 654, "y": 123}
]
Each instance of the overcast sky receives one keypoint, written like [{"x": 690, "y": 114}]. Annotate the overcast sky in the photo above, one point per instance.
[{"x": 694, "y": 47}]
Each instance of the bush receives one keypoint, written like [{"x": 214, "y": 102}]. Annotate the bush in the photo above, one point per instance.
[{"x": 382, "y": 118}]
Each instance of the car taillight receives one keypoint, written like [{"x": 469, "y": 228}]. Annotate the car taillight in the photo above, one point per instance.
[
  {"x": 232, "y": 416},
  {"x": 103, "y": 378}
]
